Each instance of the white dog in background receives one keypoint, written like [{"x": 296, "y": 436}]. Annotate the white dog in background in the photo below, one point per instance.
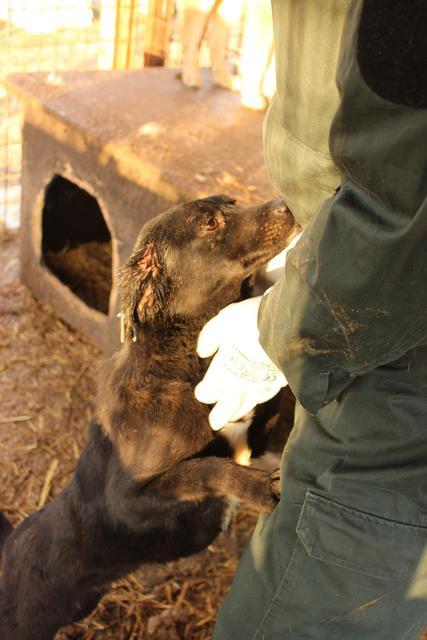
[{"x": 213, "y": 20}]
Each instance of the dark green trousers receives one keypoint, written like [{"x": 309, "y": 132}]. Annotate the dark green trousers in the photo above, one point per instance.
[{"x": 344, "y": 555}]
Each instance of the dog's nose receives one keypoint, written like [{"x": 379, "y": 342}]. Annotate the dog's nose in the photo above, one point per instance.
[{"x": 276, "y": 206}]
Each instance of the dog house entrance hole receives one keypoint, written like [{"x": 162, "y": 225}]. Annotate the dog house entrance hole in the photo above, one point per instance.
[{"x": 76, "y": 242}]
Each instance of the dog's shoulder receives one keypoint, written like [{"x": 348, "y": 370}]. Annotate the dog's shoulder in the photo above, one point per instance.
[{"x": 152, "y": 424}]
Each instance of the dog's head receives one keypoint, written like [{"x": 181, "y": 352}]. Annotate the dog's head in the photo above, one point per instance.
[{"x": 191, "y": 260}]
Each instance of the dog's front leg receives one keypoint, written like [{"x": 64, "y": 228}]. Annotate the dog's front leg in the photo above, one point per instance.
[{"x": 201, "y": 478}]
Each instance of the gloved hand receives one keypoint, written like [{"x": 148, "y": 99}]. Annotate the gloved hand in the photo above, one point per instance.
[{"x": 241, "y": 375}]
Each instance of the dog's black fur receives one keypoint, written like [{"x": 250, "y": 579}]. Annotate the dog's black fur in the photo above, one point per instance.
[{"x": 151, "y": 484}]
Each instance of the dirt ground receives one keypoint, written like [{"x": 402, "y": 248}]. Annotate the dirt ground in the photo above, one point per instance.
[{"x": 47, "y": 386}]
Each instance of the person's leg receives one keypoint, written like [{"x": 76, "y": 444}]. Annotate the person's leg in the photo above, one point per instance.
[{"x": 344, "y": 555}]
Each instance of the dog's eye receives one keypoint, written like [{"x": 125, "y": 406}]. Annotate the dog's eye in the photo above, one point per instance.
[{"x": 212, "y": 224}]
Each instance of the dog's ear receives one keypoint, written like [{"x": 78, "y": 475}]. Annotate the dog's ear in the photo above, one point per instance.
[
  {"x": 148, "y": 269},
  {"x": 219, "y": 200},
  {"x": 143, "y": 287}
]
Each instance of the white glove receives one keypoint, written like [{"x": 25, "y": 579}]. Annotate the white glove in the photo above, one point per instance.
[{"x": 241, "y": 375}]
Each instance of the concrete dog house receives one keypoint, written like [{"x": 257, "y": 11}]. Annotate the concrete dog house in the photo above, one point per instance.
[{"x": 103, "y": 152}]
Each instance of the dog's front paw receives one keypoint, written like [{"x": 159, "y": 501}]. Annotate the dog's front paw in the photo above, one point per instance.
[
  {"x": 275, "y": 485},
  {"x": 272, "y": 494}
]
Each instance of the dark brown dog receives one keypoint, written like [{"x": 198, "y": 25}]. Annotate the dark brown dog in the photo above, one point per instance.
[{"x": 150, "y": 485}]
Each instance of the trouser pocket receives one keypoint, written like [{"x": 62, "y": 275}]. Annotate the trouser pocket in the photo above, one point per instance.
[{"x": 352, "y": 576}]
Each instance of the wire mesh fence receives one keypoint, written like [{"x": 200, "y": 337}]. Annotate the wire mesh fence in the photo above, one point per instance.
[
  {"x": 55, "y": 36},
  {"x": 37, "y": 36}
]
